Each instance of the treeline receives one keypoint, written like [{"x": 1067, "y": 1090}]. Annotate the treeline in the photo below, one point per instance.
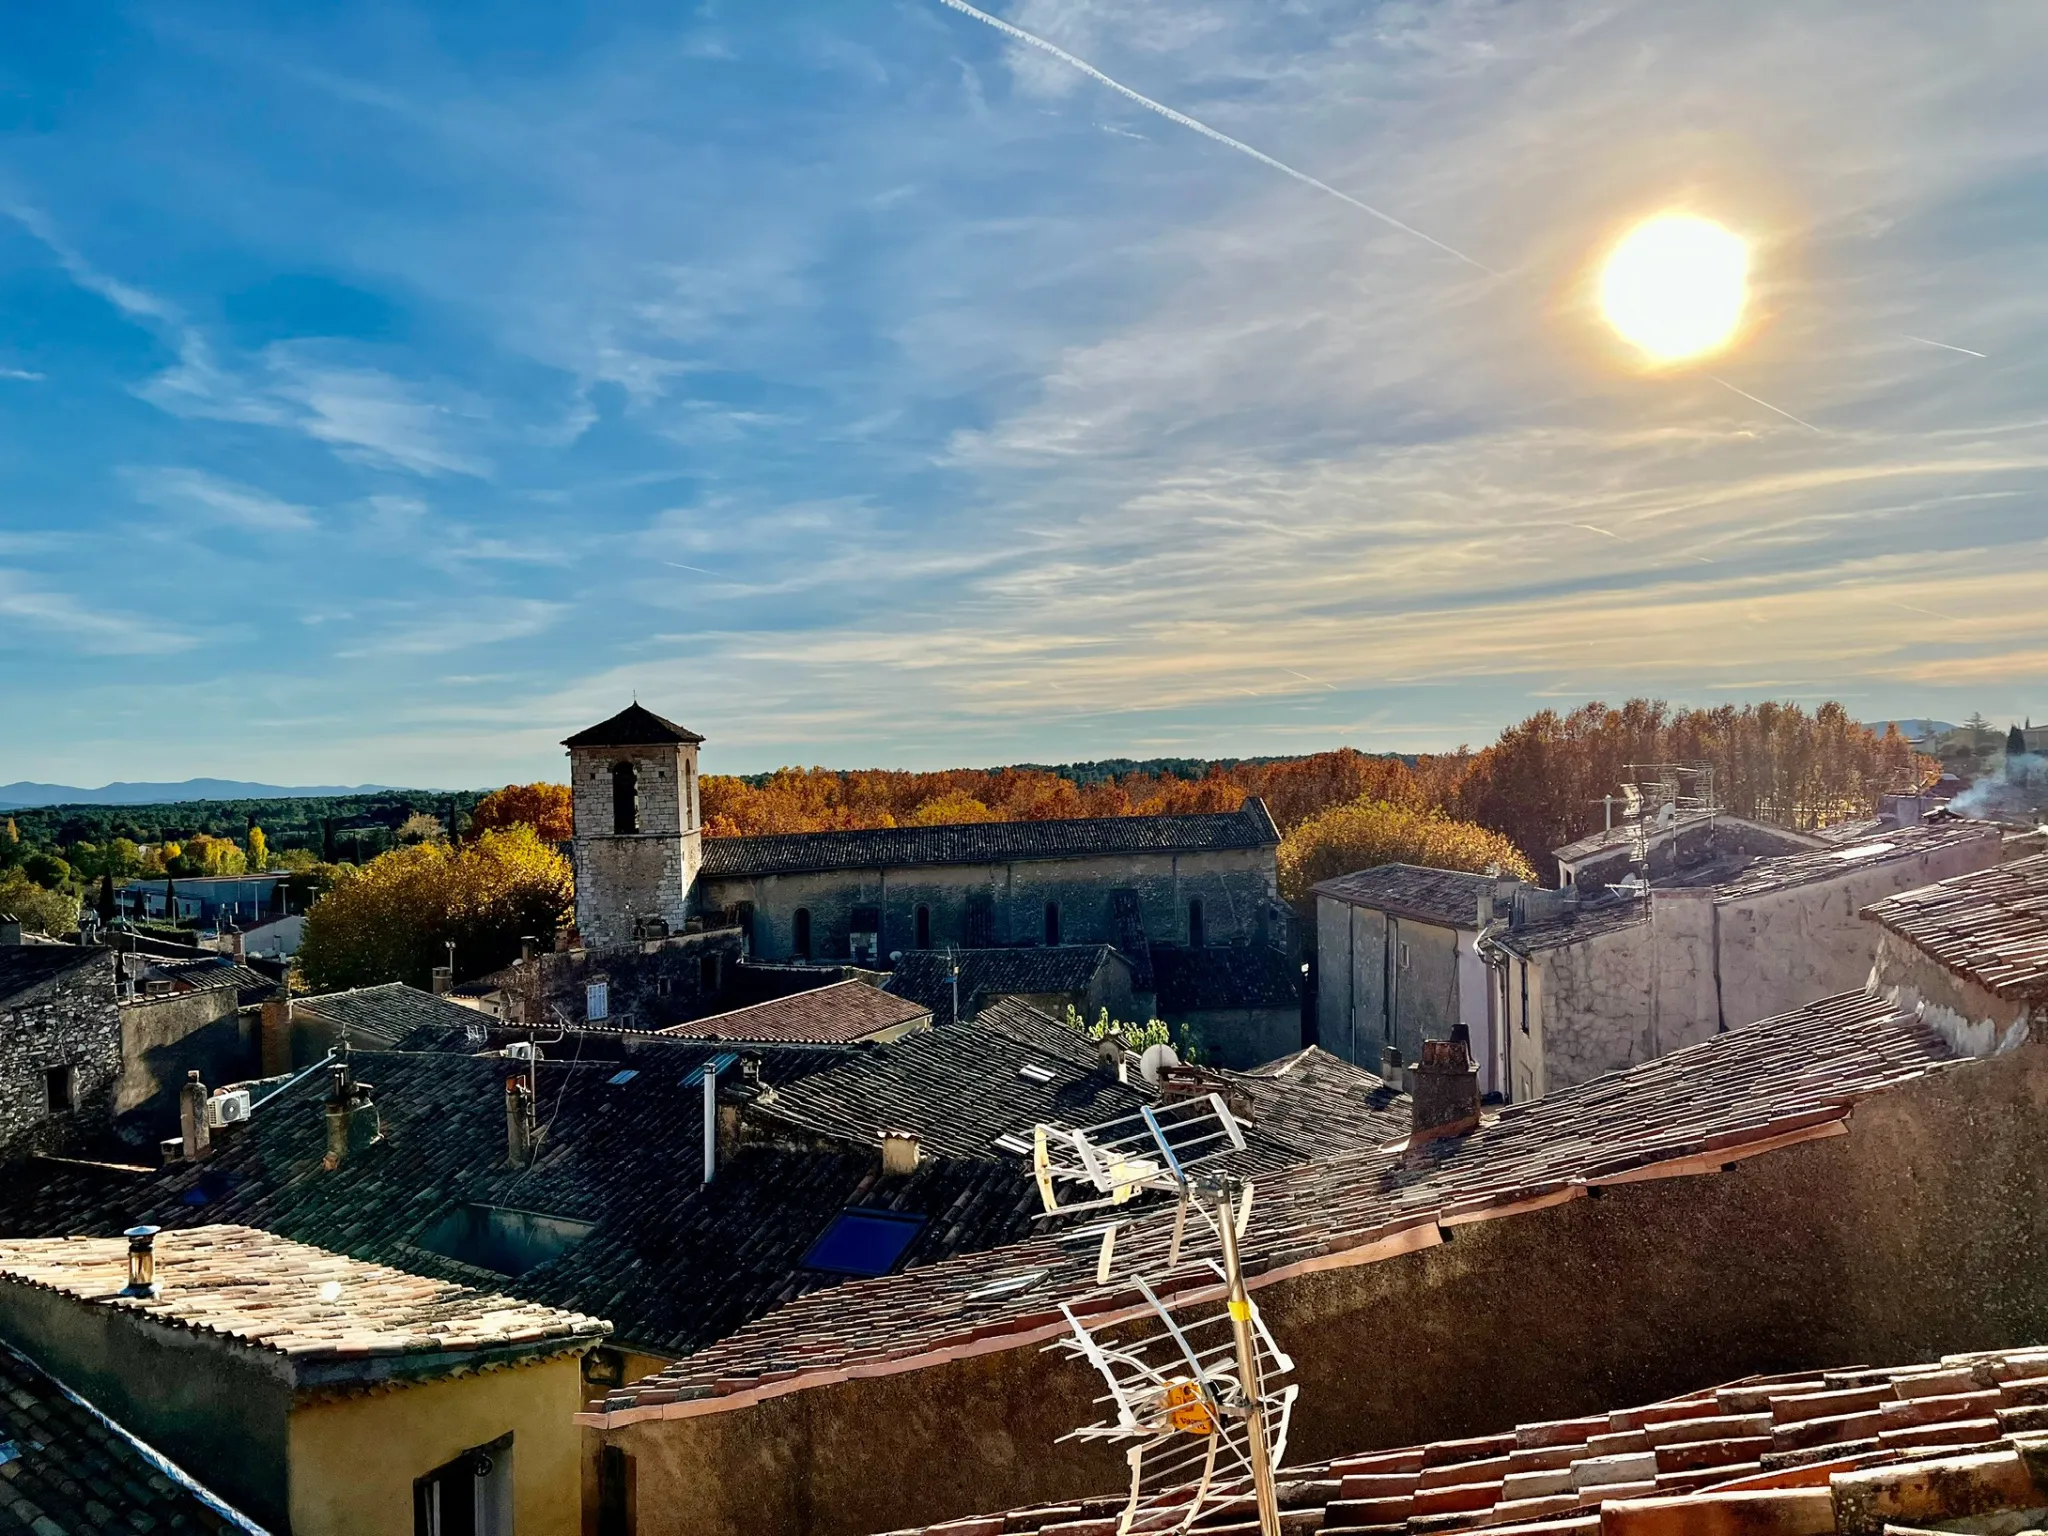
[{"x": 325, "y": 825}]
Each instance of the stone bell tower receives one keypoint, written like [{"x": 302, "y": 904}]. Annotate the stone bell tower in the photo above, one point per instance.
[{"x": 633, "y": 786}]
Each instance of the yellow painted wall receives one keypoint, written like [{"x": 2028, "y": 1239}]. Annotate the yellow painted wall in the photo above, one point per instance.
[{"x": 353, "y": 1459}]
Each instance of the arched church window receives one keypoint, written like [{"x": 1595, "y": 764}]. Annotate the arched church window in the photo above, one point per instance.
[
  {"x": 625, "y": 799},
  {"x": 924, "y": 927}
]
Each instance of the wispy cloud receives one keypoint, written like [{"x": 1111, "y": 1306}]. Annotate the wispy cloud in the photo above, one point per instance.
[
  {"x": 198, "y": 495},
  {"x": 90, "y": 627},
  {"x": 456, "y": 626}
]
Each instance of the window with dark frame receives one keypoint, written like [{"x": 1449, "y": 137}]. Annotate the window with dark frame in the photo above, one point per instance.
[
  {"x": 924, "y": 927},
  {"x": 469, "y": 1496},
  {"x": 60, "y": 1092},
  {"x": 800, "y": 932},
  {"x": 625, "y": 799},
  {"x": 707, "y": 973},
  {"x": 1198, "y": 927},
  {"x": 1525, "y": 996},
  {"x": 1052, "y": 922}
]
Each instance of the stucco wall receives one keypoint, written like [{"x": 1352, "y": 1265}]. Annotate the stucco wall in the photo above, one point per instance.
[
  {"x": 163, "y": 1038},
  {"x": 220, "y": 1412},
  {"x": 354, "y": 1458},
  {"x": 1972, "y": 1017},
  {"x": 648, "y": 873},
  {"x": 1442, "y": 984},
  {"x": 1237, "y": 889},
  {"x": 1922, "y": 1231},
  {"x": 70, "y": 1021},
  {"x": 1785, "y": 949}
]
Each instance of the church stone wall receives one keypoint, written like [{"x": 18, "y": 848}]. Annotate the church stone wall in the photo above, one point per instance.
[
  {"x": 621, "y": 878},
  {"x": 1237, "y": 888}
]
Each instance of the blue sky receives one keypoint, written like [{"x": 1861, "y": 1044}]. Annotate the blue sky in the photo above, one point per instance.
[{"x": 386, "y": 391}]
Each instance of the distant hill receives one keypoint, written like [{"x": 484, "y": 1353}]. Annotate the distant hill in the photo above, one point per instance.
[
  {"x": 1912, "y": 730},
  {"x": 24, "y": 795}
]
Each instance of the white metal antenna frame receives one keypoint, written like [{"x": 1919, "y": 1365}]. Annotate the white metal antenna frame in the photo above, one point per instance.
[{"x": 1216, "y": 1394}]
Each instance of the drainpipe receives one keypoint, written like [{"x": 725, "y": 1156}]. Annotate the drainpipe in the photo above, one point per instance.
[{"x": 710, "y": 1119}]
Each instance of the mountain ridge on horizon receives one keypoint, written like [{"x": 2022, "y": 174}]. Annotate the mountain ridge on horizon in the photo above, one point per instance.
[{"x": 26, "y": 795}]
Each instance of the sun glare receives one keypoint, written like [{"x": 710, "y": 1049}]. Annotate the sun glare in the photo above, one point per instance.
[{"x": 1675, "y": 286}]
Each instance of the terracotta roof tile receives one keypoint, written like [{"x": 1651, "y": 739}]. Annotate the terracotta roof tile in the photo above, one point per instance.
[
  {"x": 839, "y": 1014},
  {"x": 1991, "y": 926},
  {"x": 1958, "y": 1466},
  {"x": 264, "y": 1291}
]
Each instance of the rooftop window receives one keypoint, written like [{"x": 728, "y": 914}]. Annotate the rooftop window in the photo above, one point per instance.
[
  {"x": 864, "y": 1242},
  {"x": 502, "y": 1239},
  {"x": 1031, "y": 1071}
]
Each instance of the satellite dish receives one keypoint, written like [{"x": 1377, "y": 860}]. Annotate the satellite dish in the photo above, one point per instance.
[{"x": 1154, "y": 1060}]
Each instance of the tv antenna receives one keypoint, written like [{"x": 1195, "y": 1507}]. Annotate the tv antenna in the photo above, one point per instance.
[{"x": 1193, "y": 1385}]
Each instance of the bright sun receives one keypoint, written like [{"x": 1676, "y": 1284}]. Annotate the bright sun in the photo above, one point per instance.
[{"x": 1675, "y": 286}]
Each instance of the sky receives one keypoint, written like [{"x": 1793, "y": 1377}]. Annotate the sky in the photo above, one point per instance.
[{"x": 387, "y": 391}]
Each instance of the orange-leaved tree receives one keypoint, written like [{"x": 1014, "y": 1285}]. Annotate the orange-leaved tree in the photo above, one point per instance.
[
  {"x": 1368, "y": 832},
  {"x": 543, "y": 807},
  {"x": 392, "y": 920}
]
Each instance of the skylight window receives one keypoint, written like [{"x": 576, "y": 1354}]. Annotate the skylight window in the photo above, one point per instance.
[
  {"x": 1033, "y": 1072},
  {"x": 864, "y": 1242},
  {"x": 620, "y": 1079},
  {"x": 1862, "y": 851},
  {"x": 1010, "y": 1141}
]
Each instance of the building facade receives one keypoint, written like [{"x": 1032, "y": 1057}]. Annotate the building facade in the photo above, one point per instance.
[
  {"x": 1398, "y": 963},
  {"x": 60, "y": 1045}
]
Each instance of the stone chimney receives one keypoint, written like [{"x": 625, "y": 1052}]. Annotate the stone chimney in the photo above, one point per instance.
[
  {"x": 444, "y": 980},
  {"x": 277, "y": 1037},
  {"x": 529, "y": 947},
  {"x": 1445, "y": 1089},
  {"x": 198, "y": 1136},
  {"x": 519, "y": 1121},
  {"x": 899, "y": 1152},
  {"x": 352, "y": 1119}
]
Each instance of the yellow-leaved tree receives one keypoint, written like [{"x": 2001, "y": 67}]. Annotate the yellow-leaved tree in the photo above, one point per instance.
[
  {"x": 259, "y": 849},
  {"x": 1367, "y": 832},
  {"x": 392, "y": 920}
]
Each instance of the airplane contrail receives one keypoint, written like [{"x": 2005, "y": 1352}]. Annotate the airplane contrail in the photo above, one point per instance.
[
  {"x": 1764, "y": 403},
  {"x": 1943, "y": 345},
  {"x": 1033, "y": 40}
]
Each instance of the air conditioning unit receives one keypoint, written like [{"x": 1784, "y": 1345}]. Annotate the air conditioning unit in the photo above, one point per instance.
[
  {"x": 522, "y": 1050},
  {"x": 228, "y": 1107}
]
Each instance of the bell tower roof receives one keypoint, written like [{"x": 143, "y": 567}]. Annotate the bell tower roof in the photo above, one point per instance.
[{"x": 634, "y": 727}]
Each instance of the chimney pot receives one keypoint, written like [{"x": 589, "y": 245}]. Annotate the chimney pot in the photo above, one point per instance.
[
  {"x": 1390, "y": 1066},
  {"x": 529, "y": 946},
  {"x": 900, "y": 1152},
  {"x": 141, "y": 1261},
  {"x": 1445, "y": 1088},
  {"x": 444, "y": 980},
  {"x": 197, "y": 1134}
]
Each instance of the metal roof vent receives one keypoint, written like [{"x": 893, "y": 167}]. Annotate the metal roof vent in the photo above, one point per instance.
[{"x": 141, "y": 1261}]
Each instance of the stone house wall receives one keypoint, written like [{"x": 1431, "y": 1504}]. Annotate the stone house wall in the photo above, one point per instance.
[
  {"x": 1354, "y": 970},
  {"x": 648, "y": 984},
  {"x": 1922, "y": 1231},
  {"x": 69, "y": 1023},
  {"x": 1238, "y": 889}
]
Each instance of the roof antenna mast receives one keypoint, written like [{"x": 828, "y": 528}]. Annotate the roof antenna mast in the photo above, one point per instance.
[{"x": 1202, "y": 1421}]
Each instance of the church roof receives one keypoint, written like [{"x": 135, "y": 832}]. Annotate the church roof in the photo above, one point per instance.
[
  {"x": 634, "y": 726},
  {"x": 989, "y": 842}
]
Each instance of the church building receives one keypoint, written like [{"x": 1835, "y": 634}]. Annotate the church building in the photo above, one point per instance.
[{"x": 643, "y": 870}]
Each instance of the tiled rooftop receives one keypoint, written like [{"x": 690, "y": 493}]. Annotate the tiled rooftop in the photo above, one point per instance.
[
  {"x": 384, "y": 1015},
  {"x": 1783, "y": 1080},
  {"x": 839, "y": 1014},
  {"x": 989, "y": 842},
  {"x": 71, "y": 1468},
  {"x": 926, "y": 975},
  {"x": 210, "y": 972},
  {"x": 634, "y": 726},
  {"x": 263, "y": 1291},
  {"x": 1317, "y": 1105},
  {"x": 1449, "y": 897},
  {"x": 1991, "y": 926},
  {"x": 1855, "y": 1452},
  {"x": 25, "y": 967}
]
